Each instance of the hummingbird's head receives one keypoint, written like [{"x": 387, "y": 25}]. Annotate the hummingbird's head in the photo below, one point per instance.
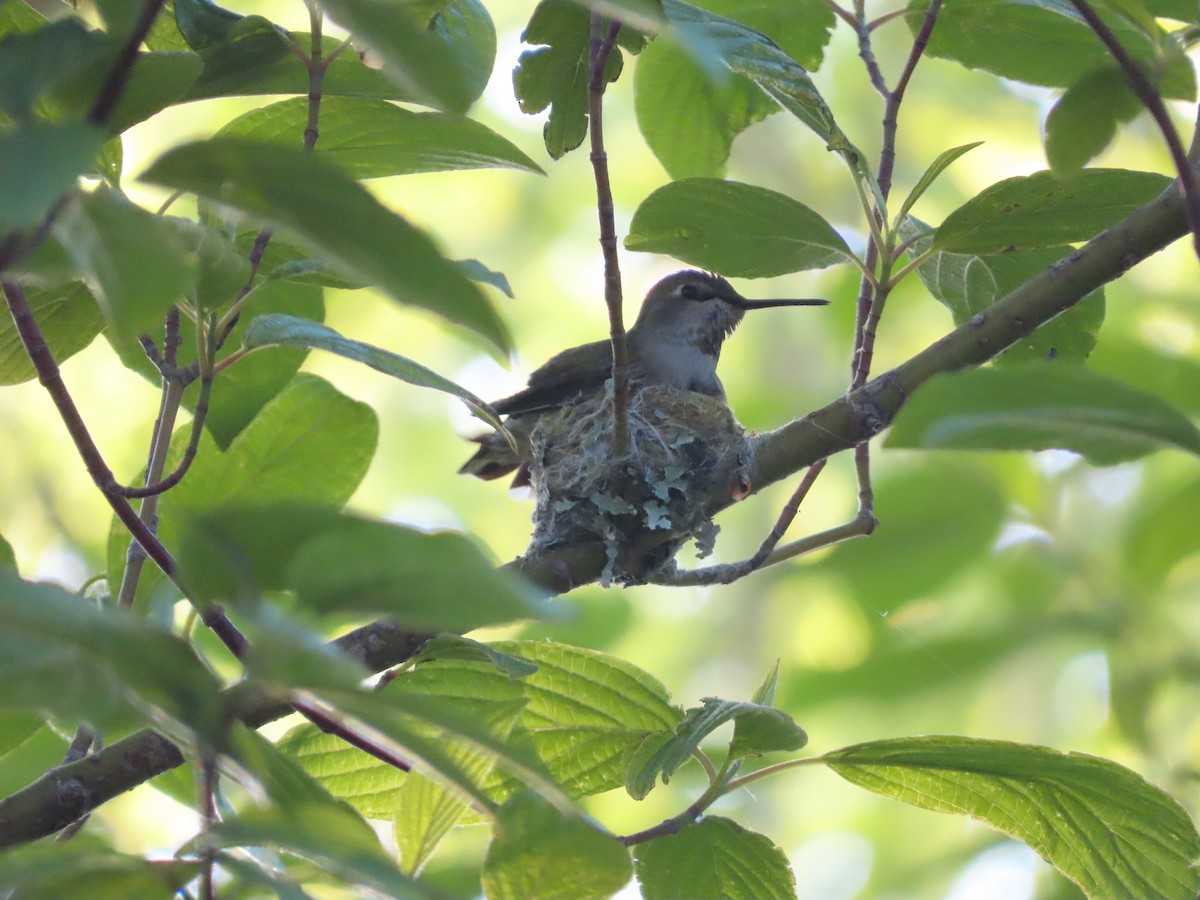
[{"x": 702, "y": 307}]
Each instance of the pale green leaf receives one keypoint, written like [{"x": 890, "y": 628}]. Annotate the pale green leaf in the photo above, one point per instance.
[
  {"x": 1100, "y": 824},
  {"x": 69, "y": 319},
  {"x": 1039, "y": 407}
]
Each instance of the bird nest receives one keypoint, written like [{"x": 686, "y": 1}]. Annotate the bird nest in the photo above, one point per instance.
[{"x": 686, "y": 450}]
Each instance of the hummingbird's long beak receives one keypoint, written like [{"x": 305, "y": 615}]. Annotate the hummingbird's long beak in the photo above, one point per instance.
[{"x": 743, "y": 303}]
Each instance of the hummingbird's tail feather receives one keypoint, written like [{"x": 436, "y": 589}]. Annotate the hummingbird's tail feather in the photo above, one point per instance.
[{"x": 495, "y": 458}]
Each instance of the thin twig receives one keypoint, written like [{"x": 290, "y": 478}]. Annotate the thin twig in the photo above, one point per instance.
[
  {"x": 208, "y": 819},
  {"x": 865, "y": 51},
  {"x": 1150, "y": 97},
  {"x": 885, "y": 18},
  {"x": 599, "y": 50},
  {"x": 842, "y": 13},
  {"x": 118, "y": 77}
]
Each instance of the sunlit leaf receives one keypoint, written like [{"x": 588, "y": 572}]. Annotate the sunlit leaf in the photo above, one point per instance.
[
  {"x": 68, "y": 318},
  {"x": 1045, "y": 210},
  {"x": 715, "y": 859},
  {"x": 1098, "y": 823},
  {"x": 537, "y": 853},
  {"x": 370, "y": 138}
]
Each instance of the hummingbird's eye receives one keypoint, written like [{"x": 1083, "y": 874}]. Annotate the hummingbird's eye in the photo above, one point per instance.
[{"x": 689, "y": 292}]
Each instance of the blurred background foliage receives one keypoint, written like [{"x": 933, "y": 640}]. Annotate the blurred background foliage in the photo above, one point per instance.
[{"x": 1024, "y": 597}]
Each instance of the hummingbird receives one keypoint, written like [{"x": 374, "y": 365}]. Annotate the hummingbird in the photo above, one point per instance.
[{"x": 675, "y": 342}]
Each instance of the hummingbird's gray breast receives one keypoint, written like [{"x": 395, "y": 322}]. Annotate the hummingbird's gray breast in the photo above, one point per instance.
[{"x": 675, "y": 360}]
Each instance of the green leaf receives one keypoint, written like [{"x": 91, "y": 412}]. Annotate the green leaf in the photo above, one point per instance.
[
  {"x": 477, "y": 271},
  {"x": 108, "y": 654},
  {"x": 334, "y": 836},
  {"x": 1098, "y": 823},
  {"x": 310, "y": 443},
  {"x": 334, "y": 215},
  {"x": 953, "y": 505},
  {"x": 735, "y": 229},
  {"x": 39, "y": 162},
  {"x": 425, "y": 68},
  {"x": 69, "y": 319},
  {"x": 586, "y": 710},
  {"x": 133, "y": 260},
  {"x": 27, "y": 760},
  {"x": 1161, "y": 532},
  {"x": 295, "y": 264},
  {"x": 278, "y": 329},
  {"x": 1084, "y": 120},
  {"x": 456, "y": 647},
  {"x": 157, "y": 81},
  {"x": 33, "y": 63},
  {"x": 968, "y": 285},
  {"x": 936, "y": 168},
  {"x": 769, "y": 729},
  {"x": 1038, "y": 407},
  {"x": 1042, "y": 42},
  {"x": 51, "y": 871},
  {"x": 1044, "y": 210},
  {"x": 242, "y": 390},
  {"x": 7, "y": 557},
  {"x": 537, "y": 853},
  {"x": 688, "y": 120},
  {"x": 715, "y": 859},
  {"x": 203, "y": 24},
  {"x": 555, "y": 74},
  {"x": 16, "y": 17},
  {"x": 222, "y": 270},
  {"x": 801, "y": 28},
  {"x": 338, "y": 564},
  {"x": 367, "y": 784},
  {"x": 765, "y": 730},
  {"x": 370, "y": 138},
  {"x": 424, "y": 810},
  {"x": 709, "y": 37}
]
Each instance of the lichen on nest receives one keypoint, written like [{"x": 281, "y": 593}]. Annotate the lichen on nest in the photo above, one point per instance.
[{"x": 684, "y": 449}]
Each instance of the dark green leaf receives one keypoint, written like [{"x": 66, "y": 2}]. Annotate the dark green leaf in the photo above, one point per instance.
[
  {"x": 689, "y": 120},
  {"x": 735, "y": 229},
  {"x": 477, "y": 271},
  {"x": 1038, "y": 407},
  {"x": 295, "y": 264},
  {"x": 642, "y": 15},
  {"x": 344, "y": 564},
  {"x": 968, "y": 285},
  {"x": 334, "y": 836},
  {"x": 33, "y": 63},
  {"x": 242, "y": 390},
  {"x": 337, "y": 217},
  {"x": 1045, "y": 210},
  {"x": 771, "y": 729},
  {"x": 555, "y": 74},
  {"x": 53, "y": 871},
  {"x": 39, "y": 162},
  {"x": 537, "y": 853},
  {"x": 1084, "y": 120},
  {"x": 465, "y": 28},
  {"x": 275, "y": 330},
  {"x": 954, "y": 506},
  {"x": 426, "y": 69},
  {"x": 1042, "y": 42},
  {"x": 69, "y": 319},
  {"x": 370, "y": 138},
  {"x": 221, "y": 268},
  {"x": 453, "y": 646},
  {"x": 1098, "y": 823},
  {"x": 801, "y": 28},
  {"x": 7, "y": 557},
  {"x": 48, "y": 630},
  {"x": 157, "y": 80},
  {"x": 309, "y": 444},
  {"x": 109, "y": 161},
  {"x": 203, "y": 24},
  {"x": 131, "y": 257},
  {"x": 765, "y": 730},
  {"x": 715, "y": 859}
]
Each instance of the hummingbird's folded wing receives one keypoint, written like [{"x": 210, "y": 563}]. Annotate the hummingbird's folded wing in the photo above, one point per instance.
[{"x": 564, "y": 377}]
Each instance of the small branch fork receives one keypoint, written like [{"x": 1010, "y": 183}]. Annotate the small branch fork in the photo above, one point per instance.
[
  {"x": 873, "y": 293},
  {"x": 1150, "y": 98},
  {"x": 600, "y": 47},
  {"x": 210, "y": 334}
]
